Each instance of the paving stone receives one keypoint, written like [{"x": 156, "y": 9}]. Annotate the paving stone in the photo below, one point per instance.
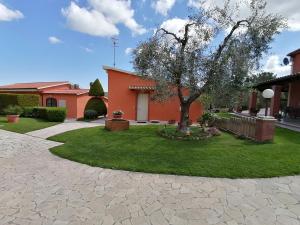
[{"x": 38, "y": 188}]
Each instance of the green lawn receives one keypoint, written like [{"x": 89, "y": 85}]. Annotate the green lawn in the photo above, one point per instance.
[
  {"x": 24, "y": 125},
  {"x": 141, "y": 149}
]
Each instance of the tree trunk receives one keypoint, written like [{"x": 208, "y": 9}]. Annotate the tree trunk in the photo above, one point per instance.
[{"x": 184, "y": 118}]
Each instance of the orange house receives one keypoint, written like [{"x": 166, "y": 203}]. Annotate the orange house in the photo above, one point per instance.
[
  {"x": 131, "y": 93},
  {"x": 52, "y": 94},
  {"x": 286, "y": 90}
]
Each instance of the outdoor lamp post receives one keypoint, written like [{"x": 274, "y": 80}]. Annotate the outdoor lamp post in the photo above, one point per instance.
[{"x": 267, "y": 94}]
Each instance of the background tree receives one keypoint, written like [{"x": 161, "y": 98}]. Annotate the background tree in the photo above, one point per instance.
[
  {"x": 256, "y": 79},
  {"x": 96, "y": 89},
  {"x": 260, "y": 78},
  {"x": 189, "y": 58}
]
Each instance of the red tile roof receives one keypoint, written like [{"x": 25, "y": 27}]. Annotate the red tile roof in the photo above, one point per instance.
[
  {"x": 68, "y": 92},
  {"x": 35, "y": 85}
]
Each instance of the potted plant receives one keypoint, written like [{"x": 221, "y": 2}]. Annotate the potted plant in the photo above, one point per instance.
[
  {"x": 12, "y": 113},
  {"x": 117, "y": 114}
]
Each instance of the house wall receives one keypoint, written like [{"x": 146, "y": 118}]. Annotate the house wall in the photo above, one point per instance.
[
  {"x": 39, "y": 92},
  {"x": 296, "y": 64},
  {"x": 71, "y": 103},
  {"x": 120, "y": 97},
  {"x": 294, "y": 94},
  {"x": 81, "y": 103},
  {"x": 75, "y": 104}
]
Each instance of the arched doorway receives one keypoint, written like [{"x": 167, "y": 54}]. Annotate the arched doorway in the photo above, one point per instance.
[{"x": 51, "y": 102}]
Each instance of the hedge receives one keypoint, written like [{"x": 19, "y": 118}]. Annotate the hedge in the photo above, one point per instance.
[
  {"x": 98, "y": 105},
  {"x": 27, "y": 112},
  {"x": 56, "y": 114},
  {"x": 52, "y": 114},
  {"x": 23, "y": 100}
]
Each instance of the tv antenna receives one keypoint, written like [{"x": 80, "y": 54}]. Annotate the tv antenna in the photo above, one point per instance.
[{"x": 115, "y": 45}]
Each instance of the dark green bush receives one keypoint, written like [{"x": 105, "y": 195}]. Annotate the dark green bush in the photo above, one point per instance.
[
  {"x": 56, "y": 114},
  {"x": 90, "y": 114},
  {"x": 40, "y": 112},
  {"x": 27, "y": 112},
  {"x": 23, "y": 100},
  {"x": 52, "y": 114},
  {"x": 98, "y": 105},
  {"x": 13, "y": 110}
]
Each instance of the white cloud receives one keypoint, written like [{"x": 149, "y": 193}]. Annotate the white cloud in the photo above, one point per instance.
[
  {"x": 87, "y": 21},
  {"x": 54, "y": 40},
  {"x": 101, "y": 17},
  {"x": 163, "y": 6},
  {"x": 7, "y": 14},
  {"x": 88, "y": 50},
  {"x": 128, "y": 51},
  {"x": 274, "y": 65},
  {"x": 289, "y": 9}
]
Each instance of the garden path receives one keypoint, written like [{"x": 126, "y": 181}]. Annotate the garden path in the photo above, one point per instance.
[{"x": 38, "y": 188}]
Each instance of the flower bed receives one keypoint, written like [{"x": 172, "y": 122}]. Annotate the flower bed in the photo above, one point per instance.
[{"x": 196, "y": 133}]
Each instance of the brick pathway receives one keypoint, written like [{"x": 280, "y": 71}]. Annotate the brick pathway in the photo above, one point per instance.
[{"x": 37, "y": 187}]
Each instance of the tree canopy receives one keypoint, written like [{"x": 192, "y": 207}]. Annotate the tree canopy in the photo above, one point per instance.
[
  {"x": 216, "y": 44},
  {"x": 96, "y": 89}
]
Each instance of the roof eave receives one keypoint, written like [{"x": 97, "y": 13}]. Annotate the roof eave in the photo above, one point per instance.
[
  {"x": 119, "y": 70},
  {"x": 19, "y": 89},
  {"x": 293, "y": 53},
  {"x": 54, "y": 85}
]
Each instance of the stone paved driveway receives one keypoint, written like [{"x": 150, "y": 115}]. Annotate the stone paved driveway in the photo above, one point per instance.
[
  {"x": 61, "y": 128},
  {"x": 37, "y": 187}
]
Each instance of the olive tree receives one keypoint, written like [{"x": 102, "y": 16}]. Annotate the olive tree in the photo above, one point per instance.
[{"x": 212, "y": 44}]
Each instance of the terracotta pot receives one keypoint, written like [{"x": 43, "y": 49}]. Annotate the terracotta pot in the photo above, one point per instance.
[
  {"x": 12, "y": 118},
  {"x": 117, "y": 116}
]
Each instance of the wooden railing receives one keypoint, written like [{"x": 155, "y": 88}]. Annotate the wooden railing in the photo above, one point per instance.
[{"x": 241, "y": 126}]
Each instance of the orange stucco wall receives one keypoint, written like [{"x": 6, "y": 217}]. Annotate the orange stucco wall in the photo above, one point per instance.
[
  {"x": 75, "y": 104},
  {"x": 120, "y": 97},
  {"x": 81, "y": 103},
  {"x": 296, "y": 64},
  {"x": 71, "y": 103}
]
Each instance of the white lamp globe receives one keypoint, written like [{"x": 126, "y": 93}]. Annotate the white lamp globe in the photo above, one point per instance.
[{"x": 268, "y": 93}]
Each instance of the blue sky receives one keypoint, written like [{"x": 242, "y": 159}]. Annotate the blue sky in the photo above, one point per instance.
[{"x": 54, "y": 40}]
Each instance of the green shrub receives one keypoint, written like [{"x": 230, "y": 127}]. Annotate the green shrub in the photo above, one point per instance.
[
  {"x": 56, "y": 114},
  {"x": 27, "y": 112},
  {"x": 207, "y": 119},
  {"x": 40, "y": 112},
  {"x": 98, "y": 105},
  {"x": 13, "y": 110},
  {"x": 52, "y": 114},
  {"x": 23, "y": 100},
  {"x": 90, "y": 114}
]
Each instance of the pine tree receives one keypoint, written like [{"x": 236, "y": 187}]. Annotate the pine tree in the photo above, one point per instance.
[{"x": 96, "y": 89}]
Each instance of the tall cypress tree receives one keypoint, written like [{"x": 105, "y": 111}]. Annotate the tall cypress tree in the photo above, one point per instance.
[{"x": 96, "y": 89}]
